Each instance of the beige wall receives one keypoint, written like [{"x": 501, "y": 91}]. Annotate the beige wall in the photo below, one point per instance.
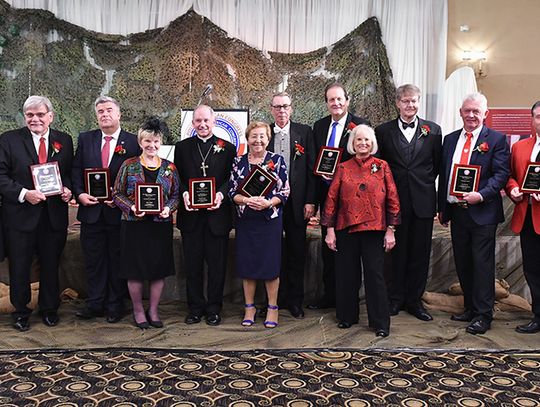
[{"x": 509, "y": 32}]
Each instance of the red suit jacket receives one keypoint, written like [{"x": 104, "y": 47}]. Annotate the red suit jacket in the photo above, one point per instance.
[{"x": 520, "y": 158}]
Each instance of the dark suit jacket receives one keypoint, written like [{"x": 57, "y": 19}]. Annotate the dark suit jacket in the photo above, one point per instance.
[
  {"x": 493, "y": 176},
  {"x": 88, "y": 155},
  {"x": 521, "y": 156},
  {"x": 320, "y": 133},
  {"x": 300, "y": 171},
  {"x": 415, "y": 180},
  {"x": 17, "y": 153},
  {"x": 188, "y": 162}
]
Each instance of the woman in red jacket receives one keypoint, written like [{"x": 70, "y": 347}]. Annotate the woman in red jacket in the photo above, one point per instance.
[{"x": 361, "y": 212}]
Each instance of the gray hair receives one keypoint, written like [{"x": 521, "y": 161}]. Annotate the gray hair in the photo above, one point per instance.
[
  {"x": 477, "y": 97},
  {"x": 37, "y": 101},
  {"x": 407, "y": 88},
  {"x": 366, "y": 131},
  {"x": 105, "y": 99},
  {"x": 205, "y": 107}
]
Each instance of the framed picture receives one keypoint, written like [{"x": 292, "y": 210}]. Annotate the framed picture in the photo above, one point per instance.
[{"x": 47, "y": 178}]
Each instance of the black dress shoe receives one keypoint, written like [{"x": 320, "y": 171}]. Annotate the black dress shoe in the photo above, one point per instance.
[
  {"x": 394, "y": 309},
  {"x": 296, "y": 311},
  {"x": 420, "y": 313},
  {"x": 343, "y": 325},
  {"x": 478, "y": 326},
  {"x": 50, "y": 318},
  {"x": 467, "y": 316},
  {"x": 213, "y": 319},
  {"x": 113, "y": 318},
  {"x": 88, "y": 313},
  {"x": 382, "y": 333},
  {"x": 322, "y": 304},
  {"x": 22, "y": 324},
  {"x": 530, "y": 328},
  {"x": 192, "y": 319}
]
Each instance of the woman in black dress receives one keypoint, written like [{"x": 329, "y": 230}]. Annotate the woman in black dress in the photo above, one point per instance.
[{"x": 146, "y": 251}]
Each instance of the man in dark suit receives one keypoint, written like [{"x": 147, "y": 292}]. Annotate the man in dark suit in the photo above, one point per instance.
[
  {"x": 333, "y": 131},
  {"x": 34, "y": 223},
  {"x": 106, "y": 147},
  {"x": 294, "y": 141},
  {"x": 412, "y": 147},
  {"x": 474, "y": 215},
  {"x": 205, "y": 232},
  {"x": 526, "y": 217}
]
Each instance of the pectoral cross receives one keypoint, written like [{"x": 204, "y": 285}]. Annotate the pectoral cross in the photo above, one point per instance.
[{"x": 203, "y": 168}]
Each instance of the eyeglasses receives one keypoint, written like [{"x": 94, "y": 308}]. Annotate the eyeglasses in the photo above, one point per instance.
[
  {"x": 39, "y": 115},
  {"x": 279, "y": 107}
]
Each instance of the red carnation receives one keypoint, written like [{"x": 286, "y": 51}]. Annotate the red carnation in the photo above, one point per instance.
[{"x": 119, "y": 150}]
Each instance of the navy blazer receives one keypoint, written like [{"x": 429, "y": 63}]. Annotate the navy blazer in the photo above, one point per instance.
[
  {"x": 88, "y": 155},
  {"x": 495, "y": 171}
]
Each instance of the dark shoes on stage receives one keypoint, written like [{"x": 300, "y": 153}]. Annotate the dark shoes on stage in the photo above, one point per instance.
[
  {"x": 344, "y": 325},
  {"x": 154, "y": 323},
  {"x": 213, "y": 319},
  {"x": 323, "y": 303},
  {"x": 382, "y": 333},
  {"x": 478, "y": 326},
  {"x": 50, "y": 318},
  {"x": 420, "y": 313},
  {"x": 21, "y": 324},
  {"x": 89, "y": 313},
  {"x": 192, "y": 319},
  {"x": 530, "y": 328},
  {"x": 394, "y": 309},
  {"x": 466, "y": 316},
  {"x": 296, "y": 311}
]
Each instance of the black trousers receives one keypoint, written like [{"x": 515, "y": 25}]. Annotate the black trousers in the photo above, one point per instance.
[
  {"x": 474, "y": 256},
  {"x": 530, "y": 252},
  {"x": 48, "y": 244},
  {"x": 329, "y": 271},
  {"x": 200, "y": 246},
  {"x": 355, "y": 250},
  {"x": 101, "y": 248},
  {"x": 410, "y": 259}
]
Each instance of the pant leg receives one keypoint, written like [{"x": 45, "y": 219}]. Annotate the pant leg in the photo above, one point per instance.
[
  {"x": 215, "y": 253},
  {"x": 117, "y": 289},
  {"x": 94, "y": 247},
  {"x": 192, "y": 245},
  {"x": 329, "y": 273},
  {"x": 483, "y": 246},
  {"x": 460, "y": 230},
  {"x": 21, "y": 251},
  {"x": 348, "y": 276},
  {"x": 530, "y": 251}
]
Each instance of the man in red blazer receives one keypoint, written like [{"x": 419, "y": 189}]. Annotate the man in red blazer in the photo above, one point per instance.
[{"x": 526, "y": 218}]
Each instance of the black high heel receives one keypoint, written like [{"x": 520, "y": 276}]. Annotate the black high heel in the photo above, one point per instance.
[
  {"x": 141, "y": 325},
  {"x": 156, "y": 324}
]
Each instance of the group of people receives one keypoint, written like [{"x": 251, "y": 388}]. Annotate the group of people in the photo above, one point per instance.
[{"x": 381, "y": 197}]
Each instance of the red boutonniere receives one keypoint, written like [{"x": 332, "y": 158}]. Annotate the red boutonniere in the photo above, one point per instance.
[
  {"x": 482, "y": 148},
  {"x": 56, "y": 147},
  {"x": 169, "y": 170},
  {"x": 425, "y": 130},
  {"x": 350, "y": 127},
  {"x": 119, "y": 149},
  {"x": 298, "y": 150},
  {"x": 270, "y": 166},
  {"x": 219, "y": 146}
]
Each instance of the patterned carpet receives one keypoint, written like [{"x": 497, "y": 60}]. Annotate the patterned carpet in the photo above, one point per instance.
[{"x": 128, "y": 377}]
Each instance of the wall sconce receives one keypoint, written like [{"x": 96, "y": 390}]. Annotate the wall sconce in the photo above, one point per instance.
[{"x": 476, "y": 60}]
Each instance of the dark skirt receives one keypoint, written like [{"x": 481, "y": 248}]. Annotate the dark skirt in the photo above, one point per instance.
[
  {"x": 258, "y": 246},
  {"x": 146, "y": 250}
]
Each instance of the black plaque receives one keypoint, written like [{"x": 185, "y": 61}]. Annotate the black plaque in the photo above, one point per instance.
[
  {"x": 531, "y": 182},
  {"x": 97, "y": 182},
  {"x": 47, "y": 178},
  {"x": 149, "y": 198},
  {"x": 202, "y": 192},
  {"x": 258, "y": 183},
  {"x": 465, "y": 179},
  {"x": 327, "y": 161}
]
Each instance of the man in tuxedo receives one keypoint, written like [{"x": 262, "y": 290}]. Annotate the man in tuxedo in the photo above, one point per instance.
[
  {"x": 412, "y": 148},
  {"x": 294, "y": 141},
  {"x": 205, "y": 232},
  {"x": 106, "y": 147},
  {"x": 474, "y": 215},
  {"x": 35, "y": 223},
  {"x": 526, "y": 218},
  {"x": 333, "y": 131}
]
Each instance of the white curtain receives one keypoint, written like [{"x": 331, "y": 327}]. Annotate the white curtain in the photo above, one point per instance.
[
  {"x": 414, "y": 31},
  {"x": 459, "y": 84}
]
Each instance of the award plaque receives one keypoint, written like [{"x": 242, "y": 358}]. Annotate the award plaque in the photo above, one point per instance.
[
  {"x": 149, "y": 198},
  {"x": 202, "y": 192},
  {"x": 258, "y": 183},
  {"x": 97, "y": 182},
  {"x": 465, "y": 178},
  {"x": 531, "y": 182},
  {"x": 327, "y": 161},
  {"x": 47, "y": 178}
]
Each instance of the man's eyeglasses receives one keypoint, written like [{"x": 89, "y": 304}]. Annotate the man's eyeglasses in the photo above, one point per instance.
[
  {"x": 39, "y": 115},
  {"x": 279, "y": 107}
]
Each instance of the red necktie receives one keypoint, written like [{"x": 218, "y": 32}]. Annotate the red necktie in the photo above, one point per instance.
[
  {"x": 106, "y": 151},
  {"x": 465, "y": 153},
  {"x": 42, "y": 151}
]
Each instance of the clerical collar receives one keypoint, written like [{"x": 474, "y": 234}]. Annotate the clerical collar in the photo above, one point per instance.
[{"x": 204, "y": 140}]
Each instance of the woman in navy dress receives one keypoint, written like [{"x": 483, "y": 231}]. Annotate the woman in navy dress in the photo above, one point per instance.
[{"x": 259, "y": 224}]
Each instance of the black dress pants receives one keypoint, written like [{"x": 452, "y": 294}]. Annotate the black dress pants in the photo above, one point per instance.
[{"x": 530, "y": 252}]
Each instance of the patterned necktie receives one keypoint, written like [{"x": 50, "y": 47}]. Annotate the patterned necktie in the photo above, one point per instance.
[
  {"x": 466, "y": 150},
  {"x": 332, "y": 139},
  {"x": 42, "y": 151},
  {"x": 106, "y": 151}
]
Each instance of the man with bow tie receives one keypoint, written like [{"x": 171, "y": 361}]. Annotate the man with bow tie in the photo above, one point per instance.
[
  {"x": 412, "y": 148},
  {"x": 106, "y": 147},
  {"x": 35, "y": 222},
  {"x": 474, "y": 215},
  {"x": 294, "y": 141}
]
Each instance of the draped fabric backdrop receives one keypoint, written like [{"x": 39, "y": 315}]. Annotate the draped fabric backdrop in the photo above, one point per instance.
[{"x": 414, "y": 31}]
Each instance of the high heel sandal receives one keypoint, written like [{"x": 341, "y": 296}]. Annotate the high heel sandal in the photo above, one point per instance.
[
  {"x": 271, "y": 324},
  {"x": 249, "y": 322}
]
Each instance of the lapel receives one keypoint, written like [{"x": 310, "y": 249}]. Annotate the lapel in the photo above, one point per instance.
[
  {"x": 345, "y": 133},
  {"x": 420, "y": 139},
  {"x": 482, "y": 138},
  {"x": 294, "y": 138},
  {"x": 395, "y": 136},
  {"x": 28, "y": 144},
  {"x": 453, "y": 139},
  {"x": 116, "y": 159},
  {"x": 96, "y": 147}
]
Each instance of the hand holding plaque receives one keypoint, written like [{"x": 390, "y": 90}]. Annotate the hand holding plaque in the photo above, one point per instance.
[
  {"x": 531, "y": 182},
  {"x": 465, "y": 179},
  {"x": 97, "y": 182},
  {"x": 149, "y": 198},
  {"x": 202, "y": 192},
  {"x": 327, "y": 161},
  {"x": 258, "y": 182},
  {"x": 47, "y": 179}
]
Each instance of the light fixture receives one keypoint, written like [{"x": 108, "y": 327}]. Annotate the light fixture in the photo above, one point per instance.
[{"x": 476, "y": 60}]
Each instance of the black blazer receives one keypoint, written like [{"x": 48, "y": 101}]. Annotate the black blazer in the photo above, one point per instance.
[
  {"x": 88, "y": 155},
  {"x": 188, "y": 162},
  {"x": 320, "y": 133},
  {"x": 17, "y": 153},
  {"x": 415, "y": 180},
  {"x": 300, "y": 170}
]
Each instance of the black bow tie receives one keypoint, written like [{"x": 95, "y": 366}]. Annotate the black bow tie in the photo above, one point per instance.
[{"x": 406, "y": 125}]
